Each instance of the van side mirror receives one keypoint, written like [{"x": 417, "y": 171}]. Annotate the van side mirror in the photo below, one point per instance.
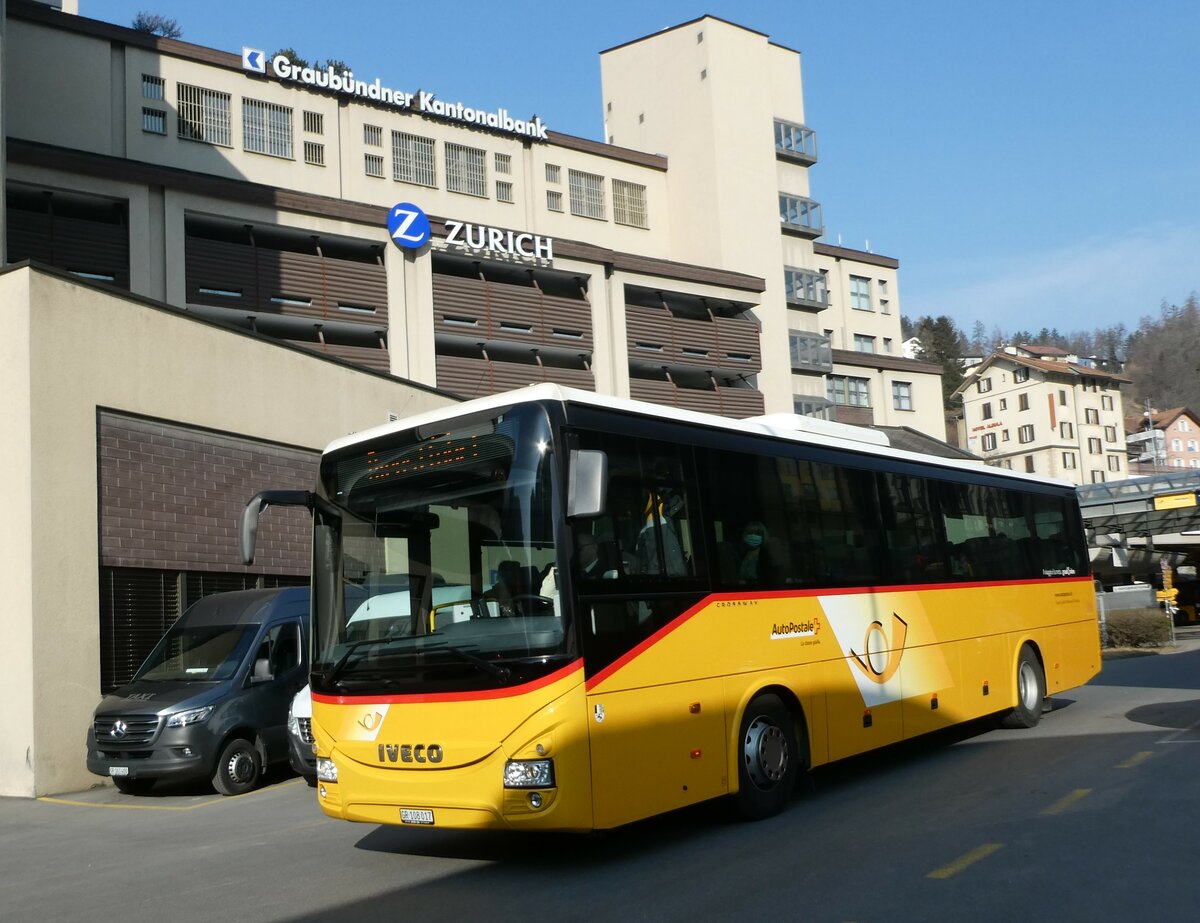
[
  {"x": 261, "y": 672},
  {"x": 587, "y": 481}
]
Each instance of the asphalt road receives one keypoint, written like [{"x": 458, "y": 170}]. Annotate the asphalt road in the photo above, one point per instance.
[{"x": 1093, "y": 815}]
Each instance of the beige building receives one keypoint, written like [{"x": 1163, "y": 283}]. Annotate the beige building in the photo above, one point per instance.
[
  {"x": 218, "y": 262},
  {"x": 1039, "y": 410}
]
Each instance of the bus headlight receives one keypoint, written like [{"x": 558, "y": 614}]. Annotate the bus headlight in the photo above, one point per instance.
[
  {"x": 529, "y": 774},
  {"x": 326, "y": 769},
  {"x": 182, "y": 719}
]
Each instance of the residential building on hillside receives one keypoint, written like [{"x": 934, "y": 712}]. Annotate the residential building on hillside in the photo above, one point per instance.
[
  {"x": 1162, "y": 440},
  {"x": 1045, "y": 416}
]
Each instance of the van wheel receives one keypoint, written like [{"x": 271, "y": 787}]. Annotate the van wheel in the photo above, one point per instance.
[
  {"x": 769, "y": 759},
  {"x": 1031, "y": 690},
  {"x": 238, "y": 768},
  {"x": 127, "y": 786}
]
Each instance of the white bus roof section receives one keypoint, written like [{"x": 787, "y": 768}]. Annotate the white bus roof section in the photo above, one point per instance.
[{"x": 805, "y": 430}]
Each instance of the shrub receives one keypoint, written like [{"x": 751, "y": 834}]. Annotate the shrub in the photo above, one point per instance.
[{"x": 1138, "y": 628}]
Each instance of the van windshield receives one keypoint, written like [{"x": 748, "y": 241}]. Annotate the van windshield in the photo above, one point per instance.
[{"x": 205, "y": 653}]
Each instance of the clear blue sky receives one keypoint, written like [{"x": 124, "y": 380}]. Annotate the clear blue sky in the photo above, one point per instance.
[{"x": 1029, "y": 163}]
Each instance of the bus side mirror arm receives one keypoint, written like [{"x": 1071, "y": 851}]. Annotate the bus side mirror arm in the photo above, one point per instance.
[
  {"x": 248, "y": 524},
  {"x": 587, "y": 480}
]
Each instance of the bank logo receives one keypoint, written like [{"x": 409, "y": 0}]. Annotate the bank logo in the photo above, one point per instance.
[
  {"x": 408, "y": 226},
  {"x": 254, "y": 59}
]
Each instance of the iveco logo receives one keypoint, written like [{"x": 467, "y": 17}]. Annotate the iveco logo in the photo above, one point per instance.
[
  {"x": 410, "y": 753},
  {"x": 119, "y": 729}
]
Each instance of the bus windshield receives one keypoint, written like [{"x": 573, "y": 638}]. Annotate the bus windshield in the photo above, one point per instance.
[{"x": 438, "y": 573}]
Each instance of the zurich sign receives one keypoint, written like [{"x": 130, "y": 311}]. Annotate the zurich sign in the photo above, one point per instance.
[{"x": 409, "y": 226}]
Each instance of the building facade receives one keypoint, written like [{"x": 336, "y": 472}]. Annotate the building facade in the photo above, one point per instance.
[
  {"x": 1163, "y": 440},
  {"x": 1049, "y": 416}
]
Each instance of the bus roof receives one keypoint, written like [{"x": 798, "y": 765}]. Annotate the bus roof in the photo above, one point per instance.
[{"x": 792, "y": 427}]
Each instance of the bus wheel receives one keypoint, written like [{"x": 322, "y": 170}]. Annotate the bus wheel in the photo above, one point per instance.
[
  {"x": 1031, "y": 690},
  {"x": 238, "y": 768},
  {"x": 769, "y": 759}
]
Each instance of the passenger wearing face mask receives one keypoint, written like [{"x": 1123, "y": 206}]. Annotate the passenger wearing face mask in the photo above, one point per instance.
[{"x": 755, "y": 565}]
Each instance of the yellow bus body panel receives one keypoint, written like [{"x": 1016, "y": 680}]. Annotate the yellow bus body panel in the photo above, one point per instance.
[{"x": 658, "y": 729}]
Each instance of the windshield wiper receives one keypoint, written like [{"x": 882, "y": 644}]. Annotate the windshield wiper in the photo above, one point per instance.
[
  {"x": 335, "y": 671},
  {"x": 499, "y": 671}
]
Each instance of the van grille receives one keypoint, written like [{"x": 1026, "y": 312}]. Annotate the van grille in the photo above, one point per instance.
[
  {"x": 117, "y": 732},
  {"x": 305, "y": 729}
]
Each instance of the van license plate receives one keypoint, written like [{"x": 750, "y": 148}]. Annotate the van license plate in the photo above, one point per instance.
[
  {"x": 118, "y": 770},
  {"x": 416, "y": 816}
]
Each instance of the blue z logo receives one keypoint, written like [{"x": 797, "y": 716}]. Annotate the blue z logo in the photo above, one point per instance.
[{"x": 408, "y": 226}]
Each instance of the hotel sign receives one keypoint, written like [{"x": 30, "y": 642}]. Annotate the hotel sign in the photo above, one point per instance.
[{"x": 422, "y": 102}]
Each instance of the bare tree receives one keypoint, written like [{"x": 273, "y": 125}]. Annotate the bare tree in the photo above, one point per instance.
[{"x": 155, "y": 24}]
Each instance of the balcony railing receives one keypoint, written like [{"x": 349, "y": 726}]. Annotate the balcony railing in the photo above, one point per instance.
[
  {"x": 811, "y": 352},
  {"x": 806, "y": 289},
  {"x": 800, "y": 216},
  {"x": 795, "y": 142}
]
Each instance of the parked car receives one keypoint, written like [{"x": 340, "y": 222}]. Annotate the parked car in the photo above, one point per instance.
[
  {"x": 300, "y": 737},
  {"x": 211, "y": 701}
]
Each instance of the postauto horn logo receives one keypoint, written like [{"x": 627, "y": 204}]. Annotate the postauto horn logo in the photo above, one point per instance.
[{"x": 409, "y": 226}]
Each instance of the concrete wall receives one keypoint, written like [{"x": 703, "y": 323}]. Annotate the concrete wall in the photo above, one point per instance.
[{"x": 69, "y": 349}]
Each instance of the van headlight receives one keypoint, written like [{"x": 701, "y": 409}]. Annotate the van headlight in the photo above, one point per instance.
[
  {"x": 182, "y": 719},
  {"x": 529, "y": 774},
  {"x": 293, "y": 725},
  {"x": 326, "y": 769}
]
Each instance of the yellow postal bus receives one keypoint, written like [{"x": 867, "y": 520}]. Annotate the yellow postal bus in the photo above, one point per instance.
[{"x": 552, "y": 610}]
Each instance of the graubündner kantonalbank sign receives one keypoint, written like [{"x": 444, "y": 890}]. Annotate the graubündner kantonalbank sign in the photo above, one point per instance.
[{"x": 424, "y": 102}]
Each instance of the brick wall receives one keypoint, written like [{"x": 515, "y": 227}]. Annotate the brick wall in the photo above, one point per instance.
[{"x": 170, "y": 497}]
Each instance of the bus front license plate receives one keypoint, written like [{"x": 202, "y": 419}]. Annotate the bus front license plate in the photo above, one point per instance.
[
  {"x": 118, "y": 770},
  {"x": 416, "y": 816}
]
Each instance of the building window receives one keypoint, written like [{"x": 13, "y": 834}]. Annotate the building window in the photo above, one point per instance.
[
  {"x": 1021, "y": 374},
  {"x": 804, "y": 285},
  {"x": 1004, "y": 436},
  {"x": 1022, "y": 402},
  {"x": 884, "y": 306},
  {"x": 887, "y": 344},
  {"x": 504, "y": 191},
  {"x": 1106, "y": 402},
  {"x": 466, "y": 169},
  {"x": 314, "y": 153},
  {"x": 267, "y": 128},
  {"x": 504, "y": 164},
  {"x": 587, "y": 194},
  {"x": 554, "y": 200},
  {"x": 1066, "y": 430},
  {"x": 1094, "y": 446},
  {"x": 413, "y": 159},
  {"x": 1004, "y": 403},
  {"x": 1191, "y": 445},
  {"x": 1114, "y": 463},
  {"x": 1110, "y": 434},
  {"x": 203, "y": 115},
  {"x": 1176, "y": 445},
  {"x": 373, "y": 135},
  {"x": 314, "y": 123},
  {"x": 902, "y": 395},
  {"x": 986, "y": 410},
  {"x": 984, "y": 385},
  {"x": 1062, "y": 398},
  {"x": 154, "y": 121},
  {"x": 1068, "y": 459},
  {"x": 153, "y": 87},
  {"x": 373, "y": 165},
  {"x": 1091, "y": 415},
  {"x": 1025, "y": 433},
  {"x": 1184, "y": 426},
  {"x": 629, "y": 204},
  {"x": 1029, "y": 469},
  {"x": 860, "y": 293},
  {"x": 853, "y": 392},
  {"x": 864, "y": 343},
  {"x": 989, "y": 442},
  {"x": 553, "y": 173},
  {"x": 1097, "y": 477},
  {"x": 800, "y": 213}
]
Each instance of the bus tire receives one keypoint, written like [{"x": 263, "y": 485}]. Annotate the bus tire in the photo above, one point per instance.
[
  {"x": 1031, "y": 691},
  {"x": 238, "y": 768},
  {"x": 769, "y": 758}
]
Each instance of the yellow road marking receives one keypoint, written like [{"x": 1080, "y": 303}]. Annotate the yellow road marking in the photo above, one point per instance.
[
  {"x": 1135, "y": 759},
  {"x": 962, "y": 862},
  {"x": 160, "y": 807},
  {"x": 1063, "y": 803}
]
